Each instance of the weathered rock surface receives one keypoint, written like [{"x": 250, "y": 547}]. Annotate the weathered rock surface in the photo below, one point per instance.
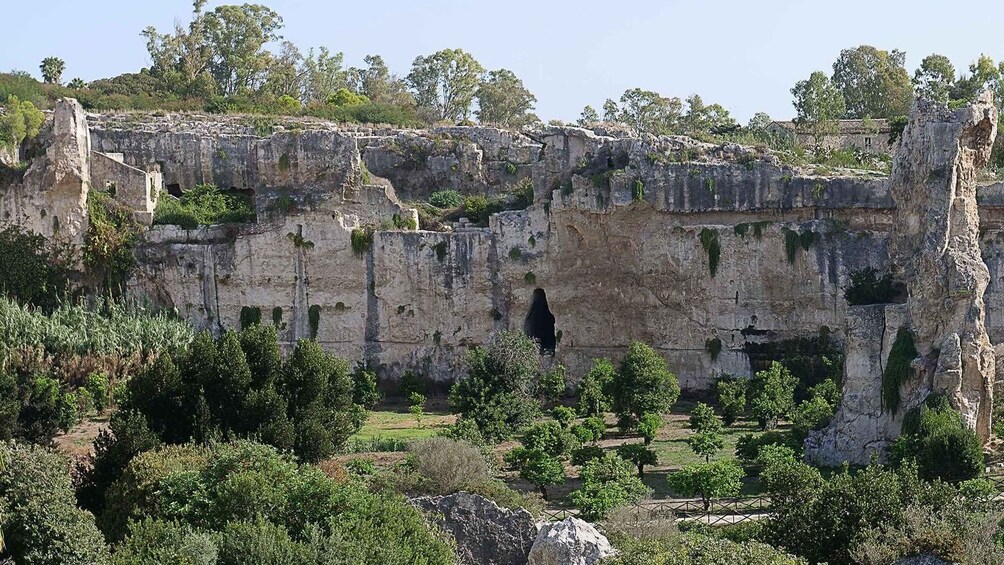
[
  {"x": 486, "y": 534},
  {"x": 935, "y": 249},
  {"x": 570, "y": 542}
]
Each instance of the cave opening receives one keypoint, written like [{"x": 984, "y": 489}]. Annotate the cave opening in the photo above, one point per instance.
[{"x": 539, "y": 323}]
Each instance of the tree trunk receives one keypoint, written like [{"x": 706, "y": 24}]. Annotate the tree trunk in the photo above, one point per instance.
[{"x": 543, "y": 492}]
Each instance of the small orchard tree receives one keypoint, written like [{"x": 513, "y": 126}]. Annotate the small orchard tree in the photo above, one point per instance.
[
  {"x": 498, "y": 393},
  {"x": 416, "y": 405},
  {"x": 707, "y": 426},
  {"x": 550, "y": 438},
  {"x": 552, "y": 386},
  {"x": 731, "y": 398},
  {"x": 563, "y": 415},
  {"x": 643, "y": 384},
  {"x": 607, "y": 482},
  {"x": 649, "y": 425},
  {"x": 773, "y": 394},
  {"x": 709, "y": 480},
  {"x": 638, "y": 454},
  {"x": 542, "y": 470},
  {"x": 593, "y": 389}
]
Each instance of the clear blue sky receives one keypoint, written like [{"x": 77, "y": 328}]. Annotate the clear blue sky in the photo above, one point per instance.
[{"x": 744, "y": 54}]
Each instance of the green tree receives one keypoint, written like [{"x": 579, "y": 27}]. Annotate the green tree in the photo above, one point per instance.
[
  {"x": 607, "y": 482},
  {"x": 934, "y": 78},
  {"x": 552, "y": 385},
  {"x": 731, "y": 394},
  {"x": 542, "y": 470},
  {"x": 759, "y": 124},
  {"x": 593, "y": 389},
  {"x": 445, "y": 83},
  {"x": 563, "y": 415},
  {"x": 504, "y": 101},
  {"x": 322, "y": 75},
  {"x": 237, "y": 36},
  {"x": 52, "y": 70},
  {"x": 181, "y": 61},
  {"x": 21, "y": 120},
  {"x": 874, "y": 82},
  {"x": 378, "y": 84},
  {"x": 709, "y": 480},
  {"x": 646, "y": 111},
  {"x": 498, "y": 392},
  {"x": 550, "y": 438},
  {"x": 818, "y": 105},
  {"x": 706, "y": 118},
  {"x": 772, "y": 394},
  {"x": 983, "y": 74},
  {"x": 707, "y": 439},
  {"x": 649, "y": 425},
  {"x": 588, "y": 116},
  {"x": 639, "y": 455},
  {"x": 643, "y": 384}
]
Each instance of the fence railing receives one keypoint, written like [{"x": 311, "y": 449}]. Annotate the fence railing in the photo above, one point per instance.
[{"x": 719, "y": 511}]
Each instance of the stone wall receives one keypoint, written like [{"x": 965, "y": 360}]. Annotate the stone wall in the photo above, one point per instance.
[{"x": 135, "y": 188}]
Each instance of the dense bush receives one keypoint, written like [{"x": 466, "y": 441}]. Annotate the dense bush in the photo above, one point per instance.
[
  {"x": 20, "y": 120},
  {"x": 867, "y": 287},
  {"x": 498, "y": 393},
  {"x": 34, "y": 407},
  {"x": 43, "y": 269},
  {"x": 696, "y": 549},
  {"x": 942, "y": 447},
  {"x": 41, "y": 522},
  {"x": 447, "y": 465},
  {"x": 594, "y": 389},
  {"x": 204, "y": 205},
  {"x": 748, "y": 446},
  {"x": 446, "y": 199},
  {"x": 731, "y": 394},
  {"x": 607, "y": 482},
  {"x": 709, "y": 480},
  {"x": 643, "y": 384},
  {"x": 254, "y": 502},
  {"x": 108, "y": 245}
]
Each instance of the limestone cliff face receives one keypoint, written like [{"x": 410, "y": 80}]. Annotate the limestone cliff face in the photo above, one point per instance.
[{"x": 935, "y": 248}]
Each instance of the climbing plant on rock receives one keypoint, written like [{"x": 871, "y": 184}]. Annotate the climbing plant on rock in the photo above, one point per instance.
[
  {"x": 897, "y": 369},
  {"x": 709, "y": 241}
]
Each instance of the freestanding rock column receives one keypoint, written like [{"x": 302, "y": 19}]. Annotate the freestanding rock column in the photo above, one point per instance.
[{"x": 933, "y": 249}]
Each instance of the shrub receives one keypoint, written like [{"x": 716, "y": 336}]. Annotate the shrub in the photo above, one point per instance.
[
  {"x": 772, "y": 394},
  {"x": 643, "y": 384},
  {"x": 446, "y": 199},
  {"x": 365, "y": 391},
  {"x": 497, "y": 394},
  {"x": 941, "y": 445},
  {"x": 731, "y": 394},
  {"x": 585, "y": 454},
  {"x": 108, "y": 245},
  {"x": 541, "y": 469},
  {"x": 638, "y": 454},
  {"x": 21, "y": 120},
  {"x": 812, "y": 414},
  {"x": 593, "y": 389},
  {"x": 563, "y": 415},
  {"x": 866, "y": 287},
  {"x": 897, "y": 369},
  {"x": 551, "y": 386},
  {"x": 598, "y": 426},
  {"x": 447, "y": 465},
  {"x": 361, "y": 240},
  {"x": 748, "y": 445},
  {"x": 97, "y": 385},
  {"x": 710, "y": 480},
  {"x": 151, "y": 542},
  {"x": 410, "y": 382},
  {"x": 649, "y": 426},
  {"x": 204, "y": 204},
  {"x": 42, "y": 524},
  {"x": 607, "y": 482},
  {"x": 697, "y": 549},
  {"x": 43, "y": 269},
  {"x": 550, "y": 438}
]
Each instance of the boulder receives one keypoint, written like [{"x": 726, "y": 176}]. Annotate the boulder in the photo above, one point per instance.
[
  {"x": 486, "y": 534},
  {"x": 570, "y": 542}
]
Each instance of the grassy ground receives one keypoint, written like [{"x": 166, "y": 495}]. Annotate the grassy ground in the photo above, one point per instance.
[{"x": 394, "y": 421}]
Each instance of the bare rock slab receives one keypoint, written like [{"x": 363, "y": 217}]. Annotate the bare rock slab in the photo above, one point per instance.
[
  {"x": 486, "y": 533},
  {"x": 570, "y": 542}
]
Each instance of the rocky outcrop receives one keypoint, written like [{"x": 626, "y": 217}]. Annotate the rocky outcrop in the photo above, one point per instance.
[
  {"x": 935, "y": 250},
  {"x": 486, "y": 534},
  {"x": 570, "y": 542}
]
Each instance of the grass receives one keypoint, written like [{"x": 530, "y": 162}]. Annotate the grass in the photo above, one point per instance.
[{"x": 394, "y": 421}]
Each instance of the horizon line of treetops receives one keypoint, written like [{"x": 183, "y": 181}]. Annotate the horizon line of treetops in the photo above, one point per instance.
[{"x": 221, "y": 62}]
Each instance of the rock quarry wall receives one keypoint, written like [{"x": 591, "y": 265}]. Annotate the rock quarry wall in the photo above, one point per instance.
[{"x": 621, "y": 236}]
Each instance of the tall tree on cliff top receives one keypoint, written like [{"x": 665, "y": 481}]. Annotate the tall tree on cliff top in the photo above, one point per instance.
[
  {"x": 646, "y": 112},
  {"x": 323, "y": 75},
  {"x": 934, "y": 79},
  {"x": 180, "y": 61},
  {"x": 378, "y": 84},
  {"x": 983, "y": 74},
  {"x": 445, "y": 83},
  {"x": 504, "y": 101},
  {"x": 237, "y": 36},
  {"x": 818, "y": 104},
  {"x": 705, "y": 118},
  {"x": 874, "y": 82},
  {"x": 52, "y": 70}
]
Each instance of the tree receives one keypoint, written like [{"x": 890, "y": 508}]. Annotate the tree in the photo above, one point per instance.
[
  {"x": 236, "y": 36},
  {"x": 731, "y": 394},
  {"x": 504, "y": 101},
  {"x": 709, "y": 480},
  {"x": 772, "y": 394},
  {"x": 323, "y": 75},
  {"x": 52, "y": 70},
  {"x": 983, "y": 74},
  {"x": 445, "y": 83},
  {"x": 703, "y": 118},
  {"x": 646, "y": 112},
  {"x": 593, "y": 389},
  {"x": 21, "y": 120},
  {"x": 180, "y": 61},
  {"x": 818, "y": 104},
  {"x": 759, "y": 124},
  {"x": 498, "y": 392},
  {"x": 874, "y": 82},
  {"x": 638, "y": 454},
  {"x": 643, "y": 384},
  {"x": 588, "y": 116},
  {"x": 607, "y": 482},
  {"x": 649, "y": 425},
  {"x": 542, "y": 470},
  {"x": 550, "y": 438},
  {"x": 934, "y": 78},
  {"x": 707, "y": 439},
  {"x": 77, "y": 84},
  {"x": 563, "y": 415},
  {"x": 378, "y": 84},
  {"x": 285, "y": 77}
]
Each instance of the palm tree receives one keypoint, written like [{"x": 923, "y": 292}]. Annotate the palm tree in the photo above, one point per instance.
[{"x": 52, "y": 69}]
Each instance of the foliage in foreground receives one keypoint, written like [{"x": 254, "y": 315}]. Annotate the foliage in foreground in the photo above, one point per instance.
[
  {"x": 203, "y": 205},
  {"x": 697, "y": 549}
]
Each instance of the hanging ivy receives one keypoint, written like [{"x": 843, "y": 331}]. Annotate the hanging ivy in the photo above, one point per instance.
[
  {"x": 314, "y": 319},
  {"x": 897, "y": 369},
  {"x": 250, "y": 315},
  {"x": 709, "y": 241}
]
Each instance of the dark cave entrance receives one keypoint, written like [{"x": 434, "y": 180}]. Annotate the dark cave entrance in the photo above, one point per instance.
[{"x": 539, "y": 323}]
